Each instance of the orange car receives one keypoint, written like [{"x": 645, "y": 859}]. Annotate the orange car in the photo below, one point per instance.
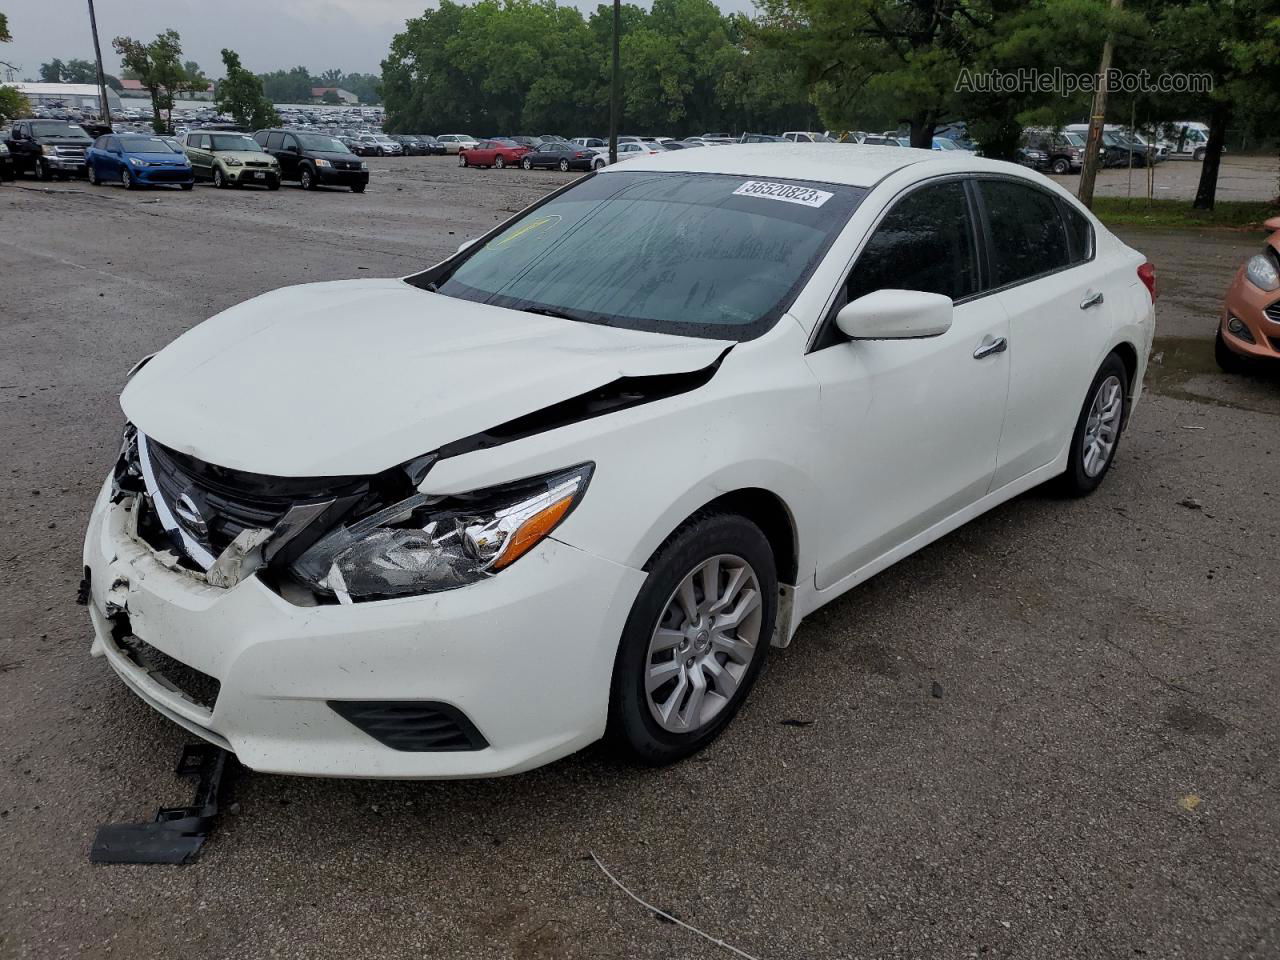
[{"x": 1249, "y": 328}]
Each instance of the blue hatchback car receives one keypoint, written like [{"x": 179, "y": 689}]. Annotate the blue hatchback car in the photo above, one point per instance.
[{"x": 137, "y": 160}]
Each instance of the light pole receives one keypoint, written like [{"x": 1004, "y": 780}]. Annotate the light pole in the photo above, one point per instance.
[
  {"x": 615, "y": 90},
  {"x": 102, "y": 81}
]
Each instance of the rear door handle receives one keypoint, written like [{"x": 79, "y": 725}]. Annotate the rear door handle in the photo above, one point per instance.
[
  {"x": 1092, "y": 300},
  {"x": 990, "y": 345}
]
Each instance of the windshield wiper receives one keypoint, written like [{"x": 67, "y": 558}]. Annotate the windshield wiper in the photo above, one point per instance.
[{"x": 558, "y": 314}]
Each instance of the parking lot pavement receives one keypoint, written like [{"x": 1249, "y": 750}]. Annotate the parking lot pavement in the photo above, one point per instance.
[
  {"x": 1054, "y": 733},
  {"x": 1240, "y": 178}
]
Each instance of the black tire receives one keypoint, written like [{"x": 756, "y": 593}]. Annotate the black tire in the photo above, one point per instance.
[
  {"x": 187, "y": 186},
  {"x": 273, "y": 184},
  {"x": 1061, "y": 165},
  {"x": 526, "y": 164},
  {"x": 1228, "y": 360},
  {"x": 632, "y": 729},
  {"x": 93, "y": 176},
  {"x": 306, "y": 179},
  {"x": 564, "y": 166},
  {"x": 358, "y": 187},
  {"x": 42, "y": 171},
  {"x": 1198, "y": 154},
  {"x": 1077, "y": 482},
  {"x": 499, "y": 162},
  {"x": 462, "y": 159},
  {"x": 127, "y": 180},
  {"x": 219, "y": 180}
]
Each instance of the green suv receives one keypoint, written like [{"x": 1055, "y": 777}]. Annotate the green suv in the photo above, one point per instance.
[{"x": 231, "y": 160}]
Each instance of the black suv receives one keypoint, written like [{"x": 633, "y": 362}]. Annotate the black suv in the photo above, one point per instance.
[
  {"x": 314, "y": 159},
  {"x": 48, "y": 148}
]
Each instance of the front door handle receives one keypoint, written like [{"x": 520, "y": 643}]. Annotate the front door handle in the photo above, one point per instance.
[
  {"x": 990, "y": 345},
  {"x": 1092, "y": 300}
]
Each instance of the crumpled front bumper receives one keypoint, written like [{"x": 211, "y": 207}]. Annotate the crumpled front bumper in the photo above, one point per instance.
[{"x": 527, "y": 656}]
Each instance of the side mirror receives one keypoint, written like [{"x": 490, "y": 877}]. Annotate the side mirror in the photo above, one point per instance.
[
  {"x": 895, "y": 315},
  {"x": 465, "y": 244}
]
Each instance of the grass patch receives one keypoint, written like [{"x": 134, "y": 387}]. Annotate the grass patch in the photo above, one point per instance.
[{"x": 1140, "y": 212}]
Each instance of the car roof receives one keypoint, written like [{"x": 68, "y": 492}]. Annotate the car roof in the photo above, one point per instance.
[{"x": 852, "y": 164}]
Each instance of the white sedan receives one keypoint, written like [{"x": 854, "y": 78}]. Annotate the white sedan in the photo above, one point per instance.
[{"x": 575, "y": 480}]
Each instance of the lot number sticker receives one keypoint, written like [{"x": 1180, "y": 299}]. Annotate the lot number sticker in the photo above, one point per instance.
[{"x": 786, "y": 192}]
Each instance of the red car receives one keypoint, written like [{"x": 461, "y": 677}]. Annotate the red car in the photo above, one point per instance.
[
  {"x": 1249, "y": 327},
  {"x": 492, "y": 153}
]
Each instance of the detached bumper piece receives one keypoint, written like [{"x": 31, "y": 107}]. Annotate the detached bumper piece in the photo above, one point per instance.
[
  {"x": 412, "y": 725},
  {"x": 177, "y": 833}
]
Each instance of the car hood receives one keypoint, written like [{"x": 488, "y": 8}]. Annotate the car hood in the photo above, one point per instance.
[
  {"x": 244, "y": 156},
  {"x": 332, "y": 155},
  {"x": 63, "y": 142},
  {"x": 355, "y": 376}
]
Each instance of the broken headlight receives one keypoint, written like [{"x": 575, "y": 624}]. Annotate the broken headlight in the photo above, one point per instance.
[{"x": 426, "y": 544}]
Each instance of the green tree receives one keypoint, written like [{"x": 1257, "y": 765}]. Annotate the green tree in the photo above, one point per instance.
[
  {"x": 288, "y": 86},
  {"x": 158, "y": 66},
  {"x": 330, "y": 78},
  {"x": 5, "y": 36},
  {"x": 12, "y": 104},
  {"x": 193, "y": 78},
  {"x": 51, "y": 72},
  {"x": 240, "y": 94},
  {"x": 331, "y": 97}
]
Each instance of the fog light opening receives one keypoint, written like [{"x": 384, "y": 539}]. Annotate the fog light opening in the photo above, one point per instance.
[{"x": 1238, "y": 329}]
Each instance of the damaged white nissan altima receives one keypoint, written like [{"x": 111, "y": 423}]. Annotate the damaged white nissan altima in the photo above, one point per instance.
[{"x": 576, "y": 479}]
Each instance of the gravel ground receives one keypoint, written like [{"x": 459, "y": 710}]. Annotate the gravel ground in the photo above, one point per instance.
[
  {"x": 1240, "y": 178},
  {"x": 1051, "y": 734}
]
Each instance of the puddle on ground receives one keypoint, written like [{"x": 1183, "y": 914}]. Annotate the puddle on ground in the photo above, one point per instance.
[{"x": 1185, "y": 368}]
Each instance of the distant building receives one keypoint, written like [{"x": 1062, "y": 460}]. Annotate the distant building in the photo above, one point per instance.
[
  {"x": 346, "y": 96},
  {"x": 79, "y": 96}
]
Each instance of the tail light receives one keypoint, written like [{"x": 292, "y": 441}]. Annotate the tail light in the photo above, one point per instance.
[{"x": 1147, "y": 274}]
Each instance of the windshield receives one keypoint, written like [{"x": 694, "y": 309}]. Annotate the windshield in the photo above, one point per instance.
[
  {"x": 57, "y": 128},
  {"x": 706, "y": 255},
  {"x": 1075, "y": 139},
  {"x": 146, "y": 145},
  {"x": 321, "y": 144},
  {"x": 224, "y": 141}
]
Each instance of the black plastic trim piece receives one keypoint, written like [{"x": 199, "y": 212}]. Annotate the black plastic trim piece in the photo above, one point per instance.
[{"x": 412, "y": 726}]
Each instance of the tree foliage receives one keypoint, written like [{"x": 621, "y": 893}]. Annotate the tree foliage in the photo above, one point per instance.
[
  {"x": 158, "y": 66},
  {"x": 12, "y": 104},
  {"x": 294, "y": 86},
  {"x": 5, "y": 36},
  {"x": 240, "y": 94},
  {"x": 506, "y": 66}
]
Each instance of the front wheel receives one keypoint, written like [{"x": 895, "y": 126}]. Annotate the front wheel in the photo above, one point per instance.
[
  {"x": 357, "y": 187},
  {"x": 187, "y": 186},
  {"x": 92, "y": 173},
  {"x": 499, "y": 162},
  {"x": 219, "y": 179},
  {"x": 1227, "y": 359},
  {"x": 695, "y": 640},
  {"x": 307, "y": 179},
  {"x": 1198, "y": 155},
  {"x": 1097, "y": 433},
  {"x": 127, "y": 180},
  {"x": 1061, "y": 165},
  {"x": 597, "y": 164},
  {"x": 462, "y": 159},
  {"x": 43, "y": 172},
  {"x": 526, "y": 164}
]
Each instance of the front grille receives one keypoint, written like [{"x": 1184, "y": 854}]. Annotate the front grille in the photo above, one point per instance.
[
  {"x": 1273, "y": 312},
  {"x": 71, "y": 153},
  {"x": 174, "y": 174},
  {"x": 230, "y": 501},
  {"x": 413, "y": 725},
  {"x": 257, "y": 163},
  {"x": 186, "y": 681}
]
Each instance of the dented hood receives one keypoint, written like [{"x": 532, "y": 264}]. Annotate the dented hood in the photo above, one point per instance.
[{"x": 356, "y": 376}]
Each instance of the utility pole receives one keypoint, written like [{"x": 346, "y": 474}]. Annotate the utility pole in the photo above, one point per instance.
[
  {"x": 102, "y": 80},
  {"x": 615, "y": 91},
  {"x": 1097, "y": 118}
]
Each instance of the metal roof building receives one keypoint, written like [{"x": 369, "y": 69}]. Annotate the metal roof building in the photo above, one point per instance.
[{"x": 78, "y": 95}]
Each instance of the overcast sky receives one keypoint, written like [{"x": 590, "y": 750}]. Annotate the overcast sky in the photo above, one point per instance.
[{"x": 351, "y": 35}]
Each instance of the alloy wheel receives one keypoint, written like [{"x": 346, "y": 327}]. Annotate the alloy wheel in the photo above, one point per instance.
[
  {"x": 1102, "y": 426},
  {"x": 564, "y": 165},
  {"x": 704, "y": 644},
  {"x": 499, "y": 162},
  {"x": 126, "y": 180},
  {"x": 92, "y": 174}
]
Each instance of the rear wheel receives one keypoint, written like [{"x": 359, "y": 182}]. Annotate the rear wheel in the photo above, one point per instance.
[
  {"x": 357, "y": 187},
  {"x": 499, "y": 162},
  {"x": 526, "y": 164},
  {"x": 1097, "y": 433},
  {"x": 564, "y": 166},
  {"x": 187, "y": 186},
  {"x": 462, "y": 159},
  {"x": 695, "y": 640},
  {"x": 1198, "y": 154}
]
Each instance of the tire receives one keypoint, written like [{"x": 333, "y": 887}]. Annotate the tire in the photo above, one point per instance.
[
  {"x": 1228, "y": 360},
  {"x": 219, "y": 180},
  {"x": 187, "y": 186},
  {"x": 127, "y": 180},
  {"x": 1102, "y": 416},
  {"x": 1061, "y": 165},
  {"x": 499, "y": 162},
  {"x": 42, "y": 172},
  {"x": 1198, "y": 154},
  {"x": 635, "y": 728},
  {"x": 93, "y": 176},
  {"x": 462, "y": 159},
  {"x": 525, "y": 164},
  {"x": 564, "y": 166},
  {"x": 306, "y": 179},
  {"x": 598, "y": 164},
  {"x": 358, "y": 187},
  {"x": 273, "y": 184}
]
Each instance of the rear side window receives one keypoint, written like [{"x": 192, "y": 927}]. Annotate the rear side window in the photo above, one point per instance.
[
  {"x": 924, "y": 243},
  {"x": 1079, "y": 232},
  {"x": 1027, "y": 234},
  {"x": 275, "y": 141}
]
